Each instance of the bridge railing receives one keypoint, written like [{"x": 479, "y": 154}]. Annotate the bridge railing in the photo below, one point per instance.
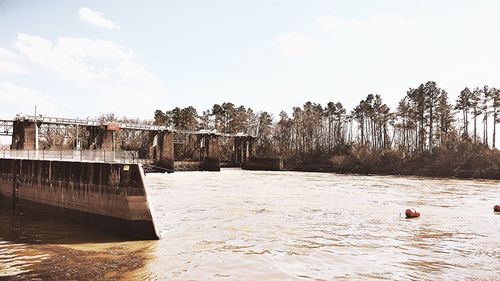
[
  {"x": 77, "y": 155},
  {"x": 90, "y": 122}
]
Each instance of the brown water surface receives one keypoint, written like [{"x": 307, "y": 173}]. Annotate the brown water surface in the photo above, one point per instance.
[{"x": 243, "y": 225}]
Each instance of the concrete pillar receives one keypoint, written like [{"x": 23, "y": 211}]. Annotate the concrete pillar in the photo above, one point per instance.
[
  {"x": 107, "y": 140},
  {"x": 164, "y": 150},
  {"x": 102, "y": 137},
  {"x": 92, "y": 137},
  {"x": 236, "y": 151},
  {"x": 212, "y": 157},
  {"x": 242, "y": 151},
  {"x": 24, "y": 135},
  {"x": 247, "y": 150},
  {"x": 251, "y": 147}
]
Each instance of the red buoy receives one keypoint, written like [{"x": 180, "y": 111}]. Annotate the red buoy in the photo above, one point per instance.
[
  {"x": 496, "y": 208},
  {"x": 412, "y": 213}
]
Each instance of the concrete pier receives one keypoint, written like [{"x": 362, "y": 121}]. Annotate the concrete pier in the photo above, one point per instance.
[
  {"x": 106, "y": 195},
  {"x": 24, "y": 135},
  {"x": 164, "y": 150},
  {"x": 244, "y": 149},
  {"x": 211, "y": 159}
]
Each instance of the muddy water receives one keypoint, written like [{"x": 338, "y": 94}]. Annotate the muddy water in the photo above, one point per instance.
[{"x": 242, "y": 225}]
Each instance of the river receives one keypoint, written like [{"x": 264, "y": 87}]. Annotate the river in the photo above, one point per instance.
[{"x": 246, "y": 225}]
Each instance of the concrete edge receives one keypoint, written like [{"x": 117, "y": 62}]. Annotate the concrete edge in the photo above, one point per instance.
[{"x": 150, "y": 206}]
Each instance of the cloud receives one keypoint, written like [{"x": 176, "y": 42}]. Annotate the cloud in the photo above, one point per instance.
[
  {"x": 295, "y": 45},
  {"x": 20, "y": 99},
  {"x": 108, "y": 71},
  {"x": 129, "y": 89},
  {"x": 73, "y": 58},
  {"x": 392, "y": 31},
  {"x": 96, "y": 18},
  {"x": 11, "y": 63}
]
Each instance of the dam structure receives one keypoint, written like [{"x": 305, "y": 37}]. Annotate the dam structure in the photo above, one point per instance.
[
  {"x": 95, "y": 180},
  {"x": 91, "y": 139}
]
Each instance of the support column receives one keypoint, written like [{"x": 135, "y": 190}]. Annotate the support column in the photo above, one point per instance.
[
  {"x": 212, "y": 158},
  {"x": 103, "y": 137},
  {"x": 92, "y": 139},
  {"x": 236, "y": 151},
  {"x": 242, "y": 151},
  {"x": 247, "y": 149},
  {"x": 24, "y": 135},
  {"x": 107, "y": 140},
  {"x": 164, "y": 150},
  {"x": 251, "y": 147}
]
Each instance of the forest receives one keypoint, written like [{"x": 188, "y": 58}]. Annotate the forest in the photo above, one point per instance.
[{"x": 427, "y": 134}]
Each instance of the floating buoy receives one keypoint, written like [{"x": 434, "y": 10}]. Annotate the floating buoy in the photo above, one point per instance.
[
  {"x": 496, "y": 208},
  {"x": 411, "y": 213}
]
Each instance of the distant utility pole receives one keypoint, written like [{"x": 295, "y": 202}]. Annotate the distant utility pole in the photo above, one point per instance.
[{"x": 36, "y": 134}]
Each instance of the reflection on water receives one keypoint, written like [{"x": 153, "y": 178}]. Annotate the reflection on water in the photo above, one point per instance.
[{"x": 278, "y": 225}]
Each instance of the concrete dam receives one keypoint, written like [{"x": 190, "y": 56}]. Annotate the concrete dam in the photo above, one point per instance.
[{"x": 106, "y": 195}]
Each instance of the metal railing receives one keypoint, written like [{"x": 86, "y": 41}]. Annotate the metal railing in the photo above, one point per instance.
[
  {"x": 89, "y": 122},
  {"x": 118, "y": 156}
]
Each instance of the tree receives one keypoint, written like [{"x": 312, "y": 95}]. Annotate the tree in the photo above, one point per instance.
[
  {"x": 359, "y": 115},
  {"x": 161, "y": 118},
  {"x": 218, "y": 113},
  {"x": 485, "y": 100},
  {"x": 188, "y": 119},
  {"x": 206, "y": 120},
  {"x": 476, "y": 110},
  {"x": 264, "y": 136},
  {"x": 340, "y": 114},
  {"x": 431, "y": 92},
  {"x": 495, "y": 97},
  {"x": 229, "y": 113},
  {"x": 444, "y": 116},
  {"x": 464, "y": 102}
]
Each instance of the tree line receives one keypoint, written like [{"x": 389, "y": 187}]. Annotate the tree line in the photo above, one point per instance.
[{"x": 425, "y": 119}]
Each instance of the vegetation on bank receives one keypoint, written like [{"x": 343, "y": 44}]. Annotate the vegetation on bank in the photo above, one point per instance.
[{"x": 426, "y": 134}]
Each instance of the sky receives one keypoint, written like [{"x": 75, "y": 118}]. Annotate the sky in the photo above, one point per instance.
[{"x": 84, "y": 58}]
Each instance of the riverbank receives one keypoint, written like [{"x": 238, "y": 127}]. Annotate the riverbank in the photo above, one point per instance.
[
  {"x": 490, "y": 174},
  {"x": 36, "y": 247},
  {"x": 465, "y": 161},
  {"x": 64, "y": 263}
]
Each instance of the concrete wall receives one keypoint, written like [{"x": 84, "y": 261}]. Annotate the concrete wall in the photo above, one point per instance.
[
  {"x": 188, "y": 166},
  {"x": 103, "y": 194},
  {"x": 266, "y": 164}
]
